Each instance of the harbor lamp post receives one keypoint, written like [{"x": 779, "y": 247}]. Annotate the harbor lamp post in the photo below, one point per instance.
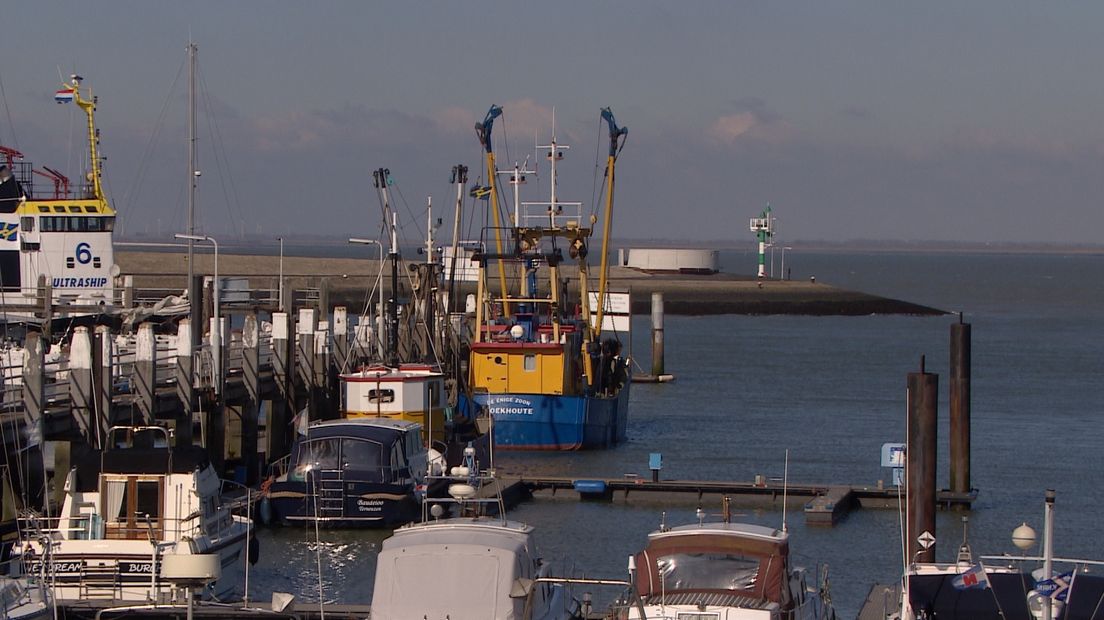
[
  {"x": 216, "y": 333},
  {"x": 379, "y": 271},
  {"x": 783, "y": 274}
]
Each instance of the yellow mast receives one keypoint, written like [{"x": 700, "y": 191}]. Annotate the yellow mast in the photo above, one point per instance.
[
  {"x": 616, "y": 134},
  {"x": 89, "y": 107},
  {"x": 483, "y": 130}
]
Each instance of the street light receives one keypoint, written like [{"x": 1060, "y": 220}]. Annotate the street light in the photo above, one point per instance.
[
  {"x": 280, "y": 287},
  {"x": 216, "y": 333},
  {"x": 379, "y": 271}
]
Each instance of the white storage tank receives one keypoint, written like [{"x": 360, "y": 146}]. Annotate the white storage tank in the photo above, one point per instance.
[{"x": 673, "y": 260}]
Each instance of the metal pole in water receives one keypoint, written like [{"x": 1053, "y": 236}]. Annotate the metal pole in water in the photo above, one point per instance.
[
  {"x": 923, "y": 402},
  {"x": 960, "y": 407},
  {"x": 1048, "y": 550},
  {"x": 657, "y": 334}
]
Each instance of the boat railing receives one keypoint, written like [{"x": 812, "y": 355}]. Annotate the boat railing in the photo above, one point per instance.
[
  {"x": 92, "y": 526},
  {"x": 556, "y": 215}
]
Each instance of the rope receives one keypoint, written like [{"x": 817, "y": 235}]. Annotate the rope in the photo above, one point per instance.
[
  {"x": 222, "y": 163},
  {"x": 139, "y": 178},
  {"x": 7, "y": 112}
]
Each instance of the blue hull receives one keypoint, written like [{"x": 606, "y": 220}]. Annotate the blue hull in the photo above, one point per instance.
[
  {"x": 549, "y": 422},
  {"x": 354, "y": 505}
]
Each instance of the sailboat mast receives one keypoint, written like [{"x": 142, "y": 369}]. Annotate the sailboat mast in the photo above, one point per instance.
[
  {"x": 192, "y": 49},
  {"x": 616, "y": 135}
]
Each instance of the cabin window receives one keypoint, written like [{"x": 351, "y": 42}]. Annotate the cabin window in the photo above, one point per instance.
[
  {"x": 322, "y": 454},
  {"x": 361, "y": 456},
  {"x": 89, "y": 209},
  {"x": 27, "y": 224},
  {"x": 74, "y": 209},
  {"x": 381, "y": 396},
  {"x": 530, "y": 363},
  {"x": 132, "y": 506},
  {"x": 413, "y": 444},
  {"x": 59, "y": 209},
  {"x": 708, "y": 571},
  {"x": 43, "y": 209}
]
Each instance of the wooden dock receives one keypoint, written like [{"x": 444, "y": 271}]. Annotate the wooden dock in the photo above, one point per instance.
[{"x": 827, "y": 503}]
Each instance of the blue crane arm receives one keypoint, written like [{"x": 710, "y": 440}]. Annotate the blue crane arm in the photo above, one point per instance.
[
  {"x": 483, "y": 130},
  {"x": 616, "y": 134}
]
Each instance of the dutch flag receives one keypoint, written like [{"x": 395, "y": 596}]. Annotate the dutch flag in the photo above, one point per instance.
[
  {"x": 64, "y": 95},
  {"x": 973, "y": 578}
]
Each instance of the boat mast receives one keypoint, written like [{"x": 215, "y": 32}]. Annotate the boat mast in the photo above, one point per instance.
[
  {"x": 460, "y": 178},
  {"x": 89, "y": 107},
  {"x": 483, "y": 130},
  {"x": 192, "y": 49},
  {"x": 616, "y": 139},
  {"x": 381, "y": 177}
]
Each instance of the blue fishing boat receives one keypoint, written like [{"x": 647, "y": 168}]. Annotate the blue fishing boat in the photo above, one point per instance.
[
  {"x": 361, "y": 472},
  {"x": 539, "y": 365}
]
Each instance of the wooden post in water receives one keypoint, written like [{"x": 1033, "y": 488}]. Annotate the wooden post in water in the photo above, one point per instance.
[
  {"x": 145, "y": 373},
  {"x": 657, "y": 334},
  {"x": 250, "y": 409},
  {"x": 103, "y": 369},
  {"x": 923, "y": 403},
  {"x": 960, "y": 407},
  {"x": 341, "y": 338},
  {"x": 304, "y": 357},
  {"x": 185, "y": 382},
  {"x": 81, "y": 398},
  {"x": 283, "y": 371}
]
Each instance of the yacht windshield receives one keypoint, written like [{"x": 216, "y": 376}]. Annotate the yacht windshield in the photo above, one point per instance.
[{"x": 708, "y": 571}]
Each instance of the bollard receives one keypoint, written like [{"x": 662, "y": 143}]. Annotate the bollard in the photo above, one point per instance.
[
  {"x": 923, "y": 395},
  {"x": 960, "y": 407}
]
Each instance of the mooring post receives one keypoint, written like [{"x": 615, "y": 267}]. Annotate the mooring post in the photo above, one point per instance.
[
  {"x": 657, "y": 334},
  {"x": 276, "y": 425},
  {"x": 960, "y": 407},
  {"x": 81, "y": 397},
  {"x": 185, "y": 383},
  {"x": 251, "y": 374},
  {"x": 145, "y": 373},
  {"x": 103, "y": 368},
  {"x": 923, "y": 403}
]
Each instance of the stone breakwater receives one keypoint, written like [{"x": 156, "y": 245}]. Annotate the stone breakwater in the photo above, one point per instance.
[{"x": 350, "y": 279}]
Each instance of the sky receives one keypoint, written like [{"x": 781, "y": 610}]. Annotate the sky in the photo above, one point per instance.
[{"x": 945, "y": 121}]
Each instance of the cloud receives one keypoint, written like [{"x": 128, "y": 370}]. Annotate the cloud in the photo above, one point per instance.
[{"x": 750, "y": 121}]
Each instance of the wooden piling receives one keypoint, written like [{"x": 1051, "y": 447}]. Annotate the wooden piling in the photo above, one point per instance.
[
  {"x": 250, "y": 409},
  {"x": 34, "y": 365},
  {"x": 657, "y": 334},
  {"x": 923, "y": 403},
  {"x": 103, "y": 378},
  {"x": 145, "y": 374},
  {"x": 185, "y": 382},
  {"x": 283, "y": 370},
  {"x": 960, "y": 407},
  {"x": 81, "y": 397}
]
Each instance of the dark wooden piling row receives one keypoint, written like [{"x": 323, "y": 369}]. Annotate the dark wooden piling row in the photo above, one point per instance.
[
  {"x": 923, "y": 402},
  {"x": 960, "y": 407}
]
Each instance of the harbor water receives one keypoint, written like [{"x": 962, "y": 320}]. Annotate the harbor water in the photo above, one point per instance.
[{"x": 831, "y": 390}]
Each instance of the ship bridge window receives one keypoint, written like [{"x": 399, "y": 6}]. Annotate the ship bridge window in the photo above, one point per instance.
[
  {"x": 708, "y": 571},
  {"x": 59, "y": 209},
  {"x": 26, "y": 224},
  {"x": 43, "y": 209},
  {"x": 381, "y": 396},
  {"x": 74, "y": 209},
  {"x": 77, "y": 224},
  {"x": 89, "y": 208}
]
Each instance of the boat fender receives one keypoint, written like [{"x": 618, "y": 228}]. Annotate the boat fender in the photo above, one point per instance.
[
  {"x": 254, "y": 549},
  {"x": 264, "y": 510}
]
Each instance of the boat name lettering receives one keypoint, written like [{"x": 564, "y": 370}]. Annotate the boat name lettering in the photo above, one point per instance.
[
  {"x": 370, "y": 505},
  {"x": 79, "y": 282},
  {"x": 510, "y": 405},
  {"x": 138, "y": 567},
  {"x": 57, "y": 567}
]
